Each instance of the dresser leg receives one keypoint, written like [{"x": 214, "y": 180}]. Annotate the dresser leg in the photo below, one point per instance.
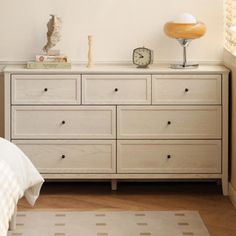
[
  {"x": 114, "y": 184},
  {"x": 225, "y": 186}
]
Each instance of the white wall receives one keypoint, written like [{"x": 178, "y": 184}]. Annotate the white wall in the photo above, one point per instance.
[{"x": 117, "y": 25}]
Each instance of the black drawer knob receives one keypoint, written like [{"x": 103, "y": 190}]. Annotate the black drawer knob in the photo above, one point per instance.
[
  {"x": 46, "y": 89},
  {"x": 116, "y": 89},
  {"x": 168, "y": 156},
  {"x": 63, "y": 156},
  {"x": 169, "y": 122},
  {"x": 63, "y": 122},
  {"x": 186, "y": 90}
]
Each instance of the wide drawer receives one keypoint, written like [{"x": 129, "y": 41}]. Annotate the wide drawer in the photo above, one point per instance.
[
  {"x": 169, "y": 122},
  {"x": 186, "y": 89},
  {"x": 147, "y": 156},
  {"x": 63, "y": 122},
  {"x": 90, "y": 156},
  {"x": 46, "y": 89},
  {"x": 116, "y": 89}
]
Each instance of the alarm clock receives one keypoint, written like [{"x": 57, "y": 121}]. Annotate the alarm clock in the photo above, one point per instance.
[{"x": 142, "y": 57}]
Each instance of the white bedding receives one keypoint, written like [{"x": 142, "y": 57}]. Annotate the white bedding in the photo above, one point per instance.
[
  {"x": 10, "y": 193},
  {"x": 18, "y": 178}
]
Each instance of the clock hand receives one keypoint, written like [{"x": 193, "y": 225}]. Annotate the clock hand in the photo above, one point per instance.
[{"x": 140, "y": 55}]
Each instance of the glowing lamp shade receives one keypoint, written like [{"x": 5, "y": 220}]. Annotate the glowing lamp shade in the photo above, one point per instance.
[
  {"x": 185, "y": 18},
  {"x": 184, "y": 28}
]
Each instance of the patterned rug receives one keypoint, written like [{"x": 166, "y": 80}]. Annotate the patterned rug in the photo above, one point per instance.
[{"x": 130, "y": 223}]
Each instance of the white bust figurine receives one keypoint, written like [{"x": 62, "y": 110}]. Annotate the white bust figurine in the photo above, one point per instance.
[{"x": 54, "y": 32}]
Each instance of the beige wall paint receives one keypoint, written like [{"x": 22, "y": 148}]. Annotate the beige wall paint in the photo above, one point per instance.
[
  {"x": 118, "y": 26},
  {"x": 230, "y": 62}
]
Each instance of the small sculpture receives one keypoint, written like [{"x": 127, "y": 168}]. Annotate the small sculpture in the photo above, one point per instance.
[
  {"x": 90, "y": 51},
  {"x": 53, "y": 35}
]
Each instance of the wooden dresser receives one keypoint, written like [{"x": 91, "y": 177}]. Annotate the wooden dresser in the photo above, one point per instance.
[{"x": 121, "y": 122}]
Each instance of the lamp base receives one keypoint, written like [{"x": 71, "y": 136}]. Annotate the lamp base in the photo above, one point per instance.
[{"x": 182, "y": 66}]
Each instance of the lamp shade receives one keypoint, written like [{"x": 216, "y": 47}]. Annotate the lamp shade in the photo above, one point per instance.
[
  {"x": 185, "y": 26},
  {"x": 185, "y": 18}
]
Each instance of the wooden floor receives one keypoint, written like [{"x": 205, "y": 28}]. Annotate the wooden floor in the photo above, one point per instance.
[{"x": 215, "y": 209}]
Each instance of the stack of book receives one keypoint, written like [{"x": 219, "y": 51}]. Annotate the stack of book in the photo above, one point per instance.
[{"x": 49, "y": 62}]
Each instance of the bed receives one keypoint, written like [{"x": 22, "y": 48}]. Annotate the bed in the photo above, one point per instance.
[{"x": 18, "y": 178}]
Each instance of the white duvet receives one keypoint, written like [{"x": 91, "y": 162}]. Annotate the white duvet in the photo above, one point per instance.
[{"x": 18, "y": 178}]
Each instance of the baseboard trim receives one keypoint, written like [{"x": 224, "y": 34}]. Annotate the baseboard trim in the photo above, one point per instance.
[{"x": 232, "y": 195}]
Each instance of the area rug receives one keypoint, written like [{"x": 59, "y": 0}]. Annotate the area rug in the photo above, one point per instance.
[{"x": 129, "y": 223}]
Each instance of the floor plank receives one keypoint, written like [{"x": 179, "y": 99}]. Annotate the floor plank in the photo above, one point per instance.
[{"x": 216, "y": 210}]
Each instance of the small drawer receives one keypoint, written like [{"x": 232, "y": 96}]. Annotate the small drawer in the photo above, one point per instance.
[
  {"x": 46, "y": 89},
  {"x": 169, "y": 122},
  {"x": 147, "y": 156},
  {"x": 63, "y": 122},
  {"x": 71, "y": 156},
  {"x": 186, "y": 89},
  {"x": 116, "y": 89}
]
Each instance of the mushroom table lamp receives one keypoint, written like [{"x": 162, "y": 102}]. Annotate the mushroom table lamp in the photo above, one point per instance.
[{"x": 185, "y": 28}]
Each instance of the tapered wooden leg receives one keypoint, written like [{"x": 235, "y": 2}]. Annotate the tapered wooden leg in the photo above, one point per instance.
[
  {"x": 114, "y": 184},
  {"x": 12, "y": 223}
]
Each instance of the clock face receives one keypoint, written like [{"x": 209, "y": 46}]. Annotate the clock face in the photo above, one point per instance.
[{"x": 142, "y": 57}]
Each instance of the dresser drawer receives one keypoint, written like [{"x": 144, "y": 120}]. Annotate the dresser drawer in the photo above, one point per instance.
[
  {"x": 149, "y": 156},
  {"x": 116, "y": 89},
  {"x": 71, "y": 156},
  {"x": 169, "y": 122},
  {"x": 186, "y": 89},
  {"x": 46, "y": 89},
  {"x": 63, "y": 122}
]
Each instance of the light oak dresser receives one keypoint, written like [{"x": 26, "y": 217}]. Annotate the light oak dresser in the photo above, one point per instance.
[{"x": 119, "y": 122}]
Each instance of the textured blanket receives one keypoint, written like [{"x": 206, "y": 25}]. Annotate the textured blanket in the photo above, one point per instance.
[
  {"x": 10, "y": 193},
  {"x": 18, "y": 178}
]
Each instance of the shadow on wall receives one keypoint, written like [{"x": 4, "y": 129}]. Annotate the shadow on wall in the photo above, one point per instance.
[{"x": 1, "y": 104}]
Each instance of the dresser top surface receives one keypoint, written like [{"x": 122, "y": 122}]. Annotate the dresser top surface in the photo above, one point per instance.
[{"x": 118, "y": 69}]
